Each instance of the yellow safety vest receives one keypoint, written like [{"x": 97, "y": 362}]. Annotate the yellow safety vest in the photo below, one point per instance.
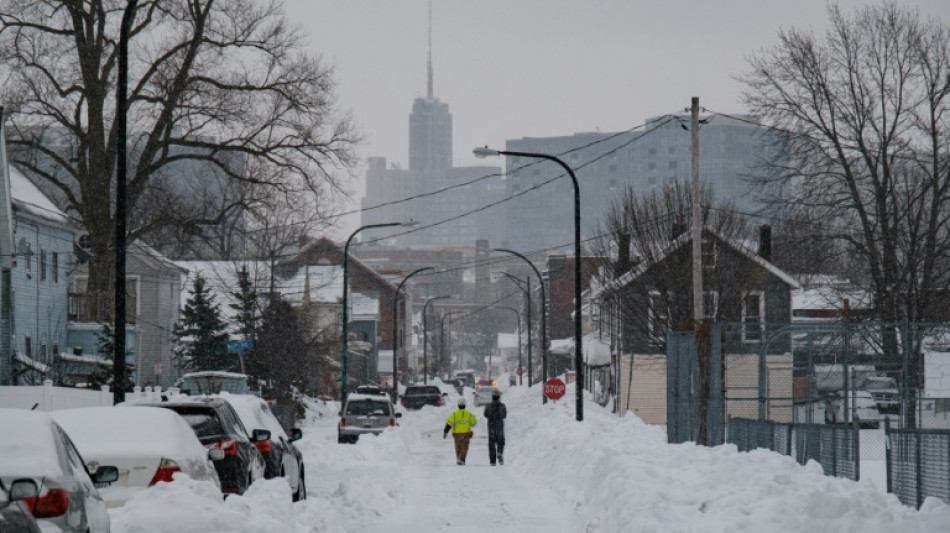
[{"x": 462, "y": 421}]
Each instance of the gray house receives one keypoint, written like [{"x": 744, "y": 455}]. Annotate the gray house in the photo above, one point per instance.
[{"x": 744, "y": 293}]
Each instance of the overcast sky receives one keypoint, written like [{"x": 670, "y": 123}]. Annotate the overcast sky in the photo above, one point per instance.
[{"x": 537, "y": 68}]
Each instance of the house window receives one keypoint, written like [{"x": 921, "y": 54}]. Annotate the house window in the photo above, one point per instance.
[
  {"x": 43, "y": 355},
  {"x": 55, "y": 350},
  {"x": 28, "y": 253},
  {"x": 658, "y": 319},
  {"x": 753, "y": 316},
  {"x": 42, "y": 265},
  {"x": 55, "y": 267},
  {"x": 651, "y": 166},
  {"x": 710, "y": 253},
  {"x": 28, "y": 347},
  {"x": 711, "y": 305}
]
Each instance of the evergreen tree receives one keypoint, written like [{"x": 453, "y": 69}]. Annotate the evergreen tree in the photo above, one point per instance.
[
  {"x": 280, "y": 354},
  {"x": 203, "y": 341},
  {"x": 244, "y": 301}
]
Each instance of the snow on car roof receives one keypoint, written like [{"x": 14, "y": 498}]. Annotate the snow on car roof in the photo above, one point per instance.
[
  {"x": 255, "y": 413},
  {"x": 28, "y": 444},
  {"x": 113, "y": 432},
  {"x": 375, "y": 397}
]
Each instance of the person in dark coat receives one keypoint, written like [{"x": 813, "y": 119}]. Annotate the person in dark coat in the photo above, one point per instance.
[{"x": 495, "y": 413}]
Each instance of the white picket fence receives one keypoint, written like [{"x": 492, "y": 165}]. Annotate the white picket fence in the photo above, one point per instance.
[{"x": 46, "y": 397}]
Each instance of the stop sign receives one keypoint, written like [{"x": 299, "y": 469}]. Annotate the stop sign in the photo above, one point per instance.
[
  {"x": 554, "y": 388},
  {"x": 518, "y": 371}
]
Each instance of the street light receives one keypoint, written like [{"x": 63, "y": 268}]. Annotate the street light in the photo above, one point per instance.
[
  {"x": 442, "y": 336},
  {"x": 578, "y": 356},
  {"x": 425, "y": 339},
  {"x": 519, "y": 332},
  {"x": 346, "y": 326},
  {"x": 121, "y": 127},
  {"x": 527, "y": 292},
  {"x": 395, "y": 333},
  {"x": 544, "y": 322}
]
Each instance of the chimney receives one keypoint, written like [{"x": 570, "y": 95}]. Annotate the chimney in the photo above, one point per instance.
[
  {"x": 623, "y": 253},
  {"x": 765, "y": 242}
]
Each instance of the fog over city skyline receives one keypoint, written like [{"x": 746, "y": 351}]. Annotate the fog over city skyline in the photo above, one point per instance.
[{"x": 541, "y": 68}]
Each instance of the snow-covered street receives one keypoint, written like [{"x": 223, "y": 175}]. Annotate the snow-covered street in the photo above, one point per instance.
[{"x": 601, "y": 475}]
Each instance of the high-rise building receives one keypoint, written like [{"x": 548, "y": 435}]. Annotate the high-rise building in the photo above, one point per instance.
[
  {"x": 540, "y": 216},
  {"x": 456, "y": 217}
]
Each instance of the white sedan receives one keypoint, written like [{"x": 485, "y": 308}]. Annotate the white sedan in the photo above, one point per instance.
[{"x": 147, "y": 444}]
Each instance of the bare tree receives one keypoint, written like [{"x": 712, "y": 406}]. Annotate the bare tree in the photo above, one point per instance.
[
  {"x": 211, "y": 83},
  {"x": 865, "y": 109}
]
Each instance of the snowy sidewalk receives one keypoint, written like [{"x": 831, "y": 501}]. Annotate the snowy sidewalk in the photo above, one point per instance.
[{"x": 476, "y": 497}]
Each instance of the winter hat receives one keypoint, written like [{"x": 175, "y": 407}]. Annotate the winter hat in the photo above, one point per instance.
[
  {"x": 461, "y": 402},
  {"x": 496, "y": 394}
]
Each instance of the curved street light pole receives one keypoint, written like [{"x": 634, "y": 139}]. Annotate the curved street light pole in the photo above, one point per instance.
[
  {"x": 578, "y": 348},
  {"x": 527, "y": 293},
  {"x": 519, "y": 330},
  {"x": 395, "y": 330},
  {"x": 346, "y": 326},
  {"x": 544, "y": 322},
  {"x": 425, "y": 338}
]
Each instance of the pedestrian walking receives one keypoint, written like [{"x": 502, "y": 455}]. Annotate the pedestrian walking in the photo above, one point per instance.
[
  {"x": 460, "y": 423},
  {"x": 495, "y": 413}
]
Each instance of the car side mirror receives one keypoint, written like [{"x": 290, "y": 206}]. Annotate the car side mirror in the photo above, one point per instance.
[
  {"x": 22, "y": 489},
  {"x": 260, "y": 435},
  {"x": 444, "y": 394},
  {"x": 215, "y": 454},
  {"x": 398, "y": 414},
  {"x": 105, "y": 474},
  {"x": 295, "y": 434}
]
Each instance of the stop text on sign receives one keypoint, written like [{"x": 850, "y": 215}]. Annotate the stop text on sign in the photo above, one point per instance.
[{"x": 554, "y": 388}]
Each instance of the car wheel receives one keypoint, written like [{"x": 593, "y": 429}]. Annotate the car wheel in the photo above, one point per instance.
[{"x": 301, "y": 493}]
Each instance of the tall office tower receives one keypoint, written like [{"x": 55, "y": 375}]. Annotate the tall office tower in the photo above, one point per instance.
[
  {"x": 456, "y": 217},
  {"x": 606, "y": 163}
]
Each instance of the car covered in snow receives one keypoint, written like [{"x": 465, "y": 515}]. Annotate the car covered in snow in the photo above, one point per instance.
[
  {"x": 148, "y": 445},
  {"x": 34, "y": 447},
  {"x": 281, "y": 456},
  {"x": 483, "y": 391}
]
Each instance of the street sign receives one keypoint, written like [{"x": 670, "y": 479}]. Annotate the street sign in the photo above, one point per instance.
[
  {"x": 554, "y": 389},
  {"x": 240, "y": 345},
  {"x": 518, "y": 371}
]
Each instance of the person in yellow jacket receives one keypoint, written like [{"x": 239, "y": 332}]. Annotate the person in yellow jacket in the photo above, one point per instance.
[{"x": 460, "y": 422}]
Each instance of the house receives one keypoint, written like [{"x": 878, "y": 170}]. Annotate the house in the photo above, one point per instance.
[
  {"x": 36, "y": 251},
  {"x": 747, "y": 296}
]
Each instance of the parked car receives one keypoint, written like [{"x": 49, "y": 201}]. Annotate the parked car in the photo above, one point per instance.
[
  {"x": 34, "y": 447},
  {"x": 218, "y": 426},
  {"x": 467, "y": 377},
  {"x": 14, "y": 515},
  {"x": 417, "y": 396},
  {"x": 885, "y": 393},
  {"x": 281, "y": 457},
  {"x": 148, "y": 445},
  {"x": 483, "y": 391},
  {"x": 457, "y": 383},
  {"x": 365, "y": 414},
  {"x": 370, "y": 389}
]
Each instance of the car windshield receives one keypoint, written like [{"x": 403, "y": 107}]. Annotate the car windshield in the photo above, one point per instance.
[
  {"x": 422, "y": 391},
  {"x": 204, "y": 421},
  {"x": 367, "y": 408}
]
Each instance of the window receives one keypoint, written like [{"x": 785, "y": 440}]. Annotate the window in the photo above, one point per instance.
[
  {"x": 28, "y": 347},
  {"x": 28, "y": 253},
  {"x": 709, "y": 253},
  {"x": 658, "y": 319},
  {"x": 55, "y": 267},
  {"x": 753, "y": 316},
  {"x": 671, "y": 149},
  {"x": 711, "y": 305},
  {"x": 42, "y": 264}
]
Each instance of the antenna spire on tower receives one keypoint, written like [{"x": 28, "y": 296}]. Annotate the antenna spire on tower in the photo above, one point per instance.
[{"x": 430, "y": 52}]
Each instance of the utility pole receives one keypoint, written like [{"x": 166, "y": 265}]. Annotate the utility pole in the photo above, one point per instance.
[{"x": 697, "y": 223}]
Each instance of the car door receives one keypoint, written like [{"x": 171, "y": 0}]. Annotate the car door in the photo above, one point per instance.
[
  {"x": 93, "y": 512},
  {"x": 233, "y": 421}
]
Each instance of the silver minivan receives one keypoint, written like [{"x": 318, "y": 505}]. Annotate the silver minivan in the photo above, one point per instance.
[
  {"x": 33, "y": 446},
  {"x": 365, "y": 414}
]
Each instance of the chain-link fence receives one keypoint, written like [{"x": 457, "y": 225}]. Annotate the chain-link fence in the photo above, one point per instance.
[
  {"x": 835, "y": 447},
  {"x": 918, "y": 464}
]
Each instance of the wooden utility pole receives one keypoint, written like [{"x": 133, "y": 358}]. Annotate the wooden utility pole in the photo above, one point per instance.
[{"x": 697, "y": 223}]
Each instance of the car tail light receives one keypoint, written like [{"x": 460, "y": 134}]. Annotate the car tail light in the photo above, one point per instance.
[
  {"x": 342, "y": 422},
  {"x": 402, "y": 402},
  {"x": 264, "y": 446},
  {"x": 392, "y": 422},
  {"x": 438, "y": 402},
  {"x": 164, "y": 472},
  {"x": 54, "y": 503},
  {"x": 229, "y": 446}
]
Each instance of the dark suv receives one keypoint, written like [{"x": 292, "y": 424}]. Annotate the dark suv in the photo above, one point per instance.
[
  {"x": 218, "y": 426},
  {"x": 417, "y": 396}
]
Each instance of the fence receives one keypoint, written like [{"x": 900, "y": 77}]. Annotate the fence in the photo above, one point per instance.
[
  {"x": 47, "y": 397},
  {"x": 835, "y": 447},
  {"x": 918, "y": 464}
]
